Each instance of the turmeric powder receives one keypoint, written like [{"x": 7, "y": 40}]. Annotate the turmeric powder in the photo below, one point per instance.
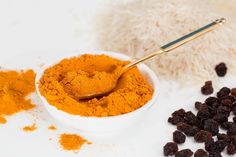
[
  {"x": 30, "y": 128},
  {"x": 52, "y": 127},
  {"x": 61, "y": 82},
  {"x": 71, "y": 141},
  {"x": 14, "y": 87}
]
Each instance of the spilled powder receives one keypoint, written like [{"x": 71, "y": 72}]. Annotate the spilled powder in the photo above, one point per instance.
[
  {"x": 71, "y": 141},
  {"x": 51, "y": 127},
  {"x": 29, "y": 128},
  {"x": 3, "y": 120},
  {"x": 14, "y": 87}
]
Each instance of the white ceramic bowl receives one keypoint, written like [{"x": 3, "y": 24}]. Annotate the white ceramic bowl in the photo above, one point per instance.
[{"x": 104, "y": 125}]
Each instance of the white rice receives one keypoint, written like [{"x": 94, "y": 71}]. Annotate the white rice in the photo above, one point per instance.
[{"x": 140, "y": 27}]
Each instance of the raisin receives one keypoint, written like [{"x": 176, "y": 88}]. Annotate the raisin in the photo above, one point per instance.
[
  {"x": 207, "y": 89},
  {"x": 184, "y": 153},
  {"x": 227, "y": 102},
  {"x": 221, "y": 144},
  {"x": 221, "y": 69},
  {"x": 190, "y": 118},
  {"x": 211, "y": 126},
  {"x": 226, "y": 125},
  {"x": 192, "y": 131},
  {"x": 231, "y": 149},
  {"x": 175, "y": 120},
  {"x": 199, "y": 106},
  {"x": 220, "y": 118},
  {"x": 234, "y": 110},
  {"x": 179, "y": 137},
  {"x": 232, "y": 130},
  {"x": 202, "y": 136},
  {"x": 214, "y": 154},
  {"x": 181, "y": 112},
  {"x": 200, "y": 153},
  {"x": 203, "y": 114},
  {"x": 225, "y": 91},
  {"x": 224, "y": 110},
  {"x": 224, "y": 137},
  {"x": 210, "y": 100},
  {"x": 233, "y": 92},
  {"x": 234, "y": 119},
  {"x": 233, "y": 139},
  {"x": 170, "y": 148},
  {"x": 210, "y": 146},
  {"x": 183, "y": 127}
]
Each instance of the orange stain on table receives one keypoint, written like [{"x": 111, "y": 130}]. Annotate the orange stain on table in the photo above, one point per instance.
[
  {"x": 29, "y": 128},
  {"x": 3, "y": 120},
  {"x": 51, "y": 127}
]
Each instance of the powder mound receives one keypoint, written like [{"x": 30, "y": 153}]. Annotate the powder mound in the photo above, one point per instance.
[
  {"x": 60, "y": 82},
  {"x": 71, "y": 141},
  {"x": 140, "y": 27},
  {"x": 14, "y": 87}
]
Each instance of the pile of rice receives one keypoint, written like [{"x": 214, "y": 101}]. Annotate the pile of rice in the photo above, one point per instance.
[{"x": 140, "y": 27}]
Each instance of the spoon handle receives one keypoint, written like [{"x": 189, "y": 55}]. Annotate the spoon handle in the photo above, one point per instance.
[{"x": 178, "y": 42}]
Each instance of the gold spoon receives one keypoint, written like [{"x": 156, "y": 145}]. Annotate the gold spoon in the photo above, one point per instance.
[{"x": 166, "y": 48}]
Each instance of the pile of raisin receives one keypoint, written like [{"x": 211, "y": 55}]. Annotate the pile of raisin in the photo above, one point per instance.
[{"x": 212, "y": 115}]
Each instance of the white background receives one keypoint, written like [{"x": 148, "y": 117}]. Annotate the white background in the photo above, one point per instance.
[{"x": 33, "y": 31}]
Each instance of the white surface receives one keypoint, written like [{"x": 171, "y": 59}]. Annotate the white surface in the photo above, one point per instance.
[
  {"x": 36, "y": 27},
  {"x": 93, "y": 126}
]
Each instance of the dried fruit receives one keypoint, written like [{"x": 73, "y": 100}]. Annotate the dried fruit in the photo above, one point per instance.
[
  {"x": 184, "y": 153},
  {"x": 170, "y": 148},
  {"x": 220, "y": 118},
  {"x": 221, "y": 69},
  {"x": 175, "y": 120},
  {"x": 214, "y": 154},
  {"x": 181, "y": 112},
  {"x": 211, "y": 146},
  {"x": 232, "y": 130},
  {"x": 202, "y": 136},
  {"x": 200, "y": 153},
  {"x": 190, "y": 118},
  {"x": 183, "y": 127},
  {"x": 226, "y": 125},
  {"x": 231, "y": 149},
  {"x": 224, "y": 137},
  {"x": 210, "y": 100},
  {"x": 207, "y": 89},
  {"x": 234, "y": 119},
  {"x": 233, "y": 92},
  {"x": 212, "y": 126},
  {"x": 221, "y": 144},
  {"x": 178, "y": 137},
  {"x": 225, "y": 91},
  {"x": 203, "y": 114},
  {"x": 199, "y": 106}
]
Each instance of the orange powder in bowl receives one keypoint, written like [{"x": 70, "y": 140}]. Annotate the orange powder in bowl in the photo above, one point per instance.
[{"x": 60, "y": 83}]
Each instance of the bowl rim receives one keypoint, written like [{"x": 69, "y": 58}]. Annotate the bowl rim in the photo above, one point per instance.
[{"x": 112, "y": 54}]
